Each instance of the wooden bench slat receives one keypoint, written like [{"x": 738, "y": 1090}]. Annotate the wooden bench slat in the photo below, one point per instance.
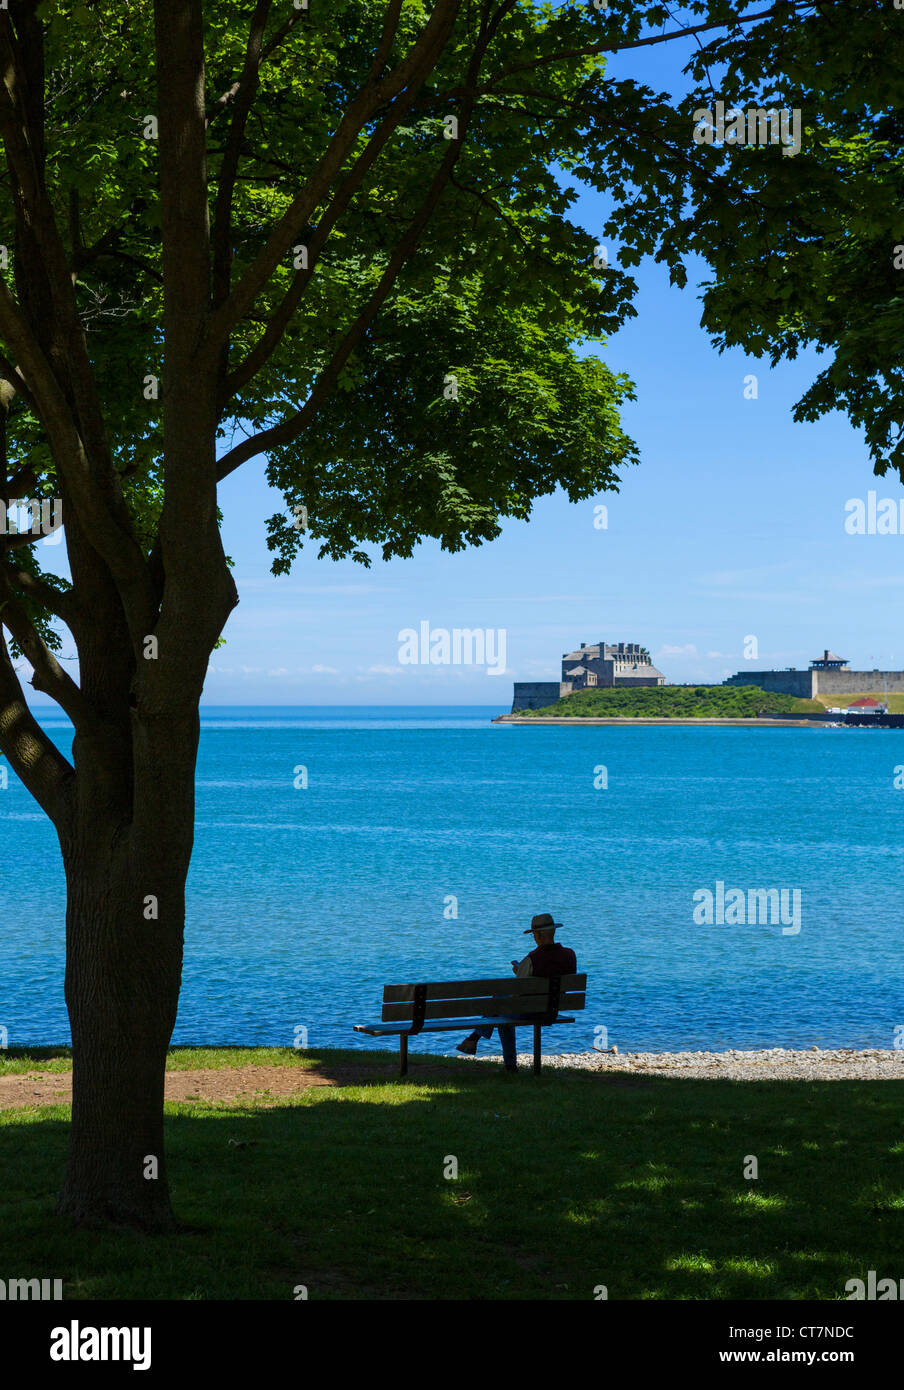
[
  {"x": 456, "y": 1008},
  {"x": 384, "y": 1028},
  {"x": 477, "y": 989},
  {"x": 537, "y": 1004}
]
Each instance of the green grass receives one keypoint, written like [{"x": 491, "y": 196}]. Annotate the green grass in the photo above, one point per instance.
[
  {"x": 55, "y": 1059},
  {"x": 566, "y": 1181},
  {"x": 675, "y": 702},
  {"x": 895, "y": 702}
]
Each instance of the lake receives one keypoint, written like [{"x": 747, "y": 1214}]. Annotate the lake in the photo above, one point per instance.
[{"x": 426, "y": 838}]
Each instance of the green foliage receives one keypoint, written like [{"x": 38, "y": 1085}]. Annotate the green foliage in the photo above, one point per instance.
[
  {"x": 502, "y": 293},
  {"x": 675, "y": 702},
  {"x": 803, "y": 249}
]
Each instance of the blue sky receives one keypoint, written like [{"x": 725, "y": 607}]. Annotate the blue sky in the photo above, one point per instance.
[{"x": 732, "y": 526}]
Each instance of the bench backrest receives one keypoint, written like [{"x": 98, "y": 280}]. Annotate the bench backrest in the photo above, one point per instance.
[{"x": 468, "y": 998}]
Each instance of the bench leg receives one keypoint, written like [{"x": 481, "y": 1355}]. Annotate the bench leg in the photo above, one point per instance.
[
  {"x": 538, "y": 1033},
  {"x": 403, "y": 1054}
]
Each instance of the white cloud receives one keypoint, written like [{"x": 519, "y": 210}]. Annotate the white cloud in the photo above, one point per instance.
[
  {"x": 543, "y": 598},
  {"x": 542, "y": 669},
  {"x": 325, "y": 670},
  {"x": 279, "y": 584},
  {"x": 728, "y": 578}
]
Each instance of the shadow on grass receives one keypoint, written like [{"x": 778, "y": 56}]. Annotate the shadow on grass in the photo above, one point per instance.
[
  {"x": 565, "y": 1182},
  {"x": 333, "y": 1063}
]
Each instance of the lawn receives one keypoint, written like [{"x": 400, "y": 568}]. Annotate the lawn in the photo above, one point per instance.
[
  {"x": 895, "y": 702},
  {"x": 565, "y": 1182}
]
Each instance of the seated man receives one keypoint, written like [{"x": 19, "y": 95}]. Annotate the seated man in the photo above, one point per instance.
[{"x": 547, "y": 960}]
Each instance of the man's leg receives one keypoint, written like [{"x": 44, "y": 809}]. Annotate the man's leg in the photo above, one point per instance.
[
  {"x": 468, "y": 1045},
  {"x": 509, "y": 1048}
]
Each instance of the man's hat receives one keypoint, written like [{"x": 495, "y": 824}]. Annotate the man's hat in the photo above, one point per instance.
[{"x": 544, "y": 921}]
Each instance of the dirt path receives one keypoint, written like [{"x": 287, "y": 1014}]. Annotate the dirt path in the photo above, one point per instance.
[
  {"x": 267, "y": 1085},
  {"x": 261, "y": 1085}
]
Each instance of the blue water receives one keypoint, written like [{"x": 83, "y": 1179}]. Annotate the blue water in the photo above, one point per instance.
[{"x": 302, "y": 903}]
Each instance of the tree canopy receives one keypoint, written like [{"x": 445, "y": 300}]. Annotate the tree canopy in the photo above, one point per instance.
[
  {"x": 809, "y": 251},
  {"x": 400, "y": 329}
]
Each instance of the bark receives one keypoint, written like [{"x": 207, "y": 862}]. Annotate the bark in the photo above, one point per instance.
[{"x": 124, "y": 938}]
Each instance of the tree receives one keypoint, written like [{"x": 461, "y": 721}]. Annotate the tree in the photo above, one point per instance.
[
  {"x": 809, "y": 250},
  {"x": 331, "y": 235}
]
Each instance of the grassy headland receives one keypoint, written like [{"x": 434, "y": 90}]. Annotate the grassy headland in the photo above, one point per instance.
[{"x": 674, "y": 702}]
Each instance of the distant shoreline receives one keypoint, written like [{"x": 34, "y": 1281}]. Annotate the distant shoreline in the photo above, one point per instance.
[{"x": 755, "y": 723}]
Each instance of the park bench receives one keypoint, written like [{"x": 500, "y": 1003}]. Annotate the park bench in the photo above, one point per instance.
[{"x": 462, "y": 1005}]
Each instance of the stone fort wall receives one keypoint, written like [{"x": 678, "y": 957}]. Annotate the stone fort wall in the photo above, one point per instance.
[
  {"x": 851, "y": 682},
  {"x": 808, "y": 685},
  {"x": 535, "y": 694},
  {"x": 798, "y": 683}
]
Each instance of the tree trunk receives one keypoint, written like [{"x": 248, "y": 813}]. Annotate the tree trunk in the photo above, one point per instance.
[{"x": 124, "y": 937}]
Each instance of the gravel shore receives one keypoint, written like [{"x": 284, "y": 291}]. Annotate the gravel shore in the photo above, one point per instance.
[{"x": 773, "y": 1064}]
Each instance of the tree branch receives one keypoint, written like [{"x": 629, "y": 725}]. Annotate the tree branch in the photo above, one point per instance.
[
  {"x": 245, "y": 92},
  {"x": 198, "y": 591},
  {"x": 16, "y": 380},
  {"x": 179, "y": 48},
  {"x": 56, "y": 601},
  {"x": 290, "y": 429},
  {"x": 32, "y": 754},
  {"x": 594, "y": 49},
  {"x": 18, "y": 540},
  {"x": 414, "y": 68},
  {"x": 263, "y": 349},
  {"x": 20, "y": 483},
  {"x": 49, "y": 328},
  {"x": 49, "y": 676},
  {"x": 390, "y": 28},
  {"x": 21, "y": 115},
  {"x": 118, "y": 548}
]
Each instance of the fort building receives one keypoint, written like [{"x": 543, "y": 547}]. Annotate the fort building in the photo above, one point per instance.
[
  {"x": 600, "y": 665},
  {"x": 826, "y": 675}
]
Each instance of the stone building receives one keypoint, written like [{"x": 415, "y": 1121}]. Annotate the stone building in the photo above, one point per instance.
[
  {"x": 625, "y": 663},
  {"x": 588, "y": 667},
  {"x": 826, "y": 675}
]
